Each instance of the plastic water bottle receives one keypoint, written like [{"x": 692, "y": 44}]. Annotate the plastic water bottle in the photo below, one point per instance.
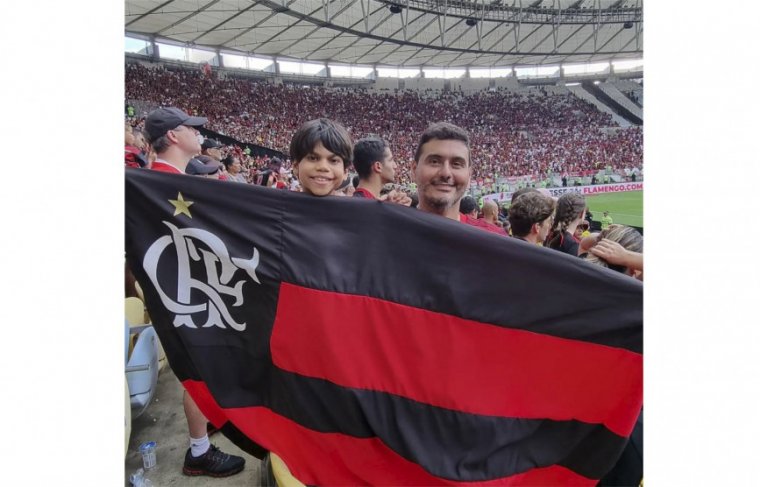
[
  {"x": 148, "y": 451},
  {"x": 138, "y": 479}
]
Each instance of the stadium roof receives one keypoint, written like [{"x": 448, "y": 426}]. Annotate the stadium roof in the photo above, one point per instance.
[{"x": 431, "y": 33}]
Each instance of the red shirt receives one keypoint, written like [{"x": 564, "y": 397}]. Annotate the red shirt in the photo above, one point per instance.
[
  {"x": 363, "y": 193},
  {"x": 482, "y": 224},
  {"x": 162, "y": 166}
]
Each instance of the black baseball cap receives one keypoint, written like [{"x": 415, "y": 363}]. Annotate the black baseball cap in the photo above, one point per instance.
[
  {"x": 210, "y": 144},
  {"x": 202, "y": 165},
  {"x": 164, "y": 119}
]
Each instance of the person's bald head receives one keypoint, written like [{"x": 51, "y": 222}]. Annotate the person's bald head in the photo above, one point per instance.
[
  {"x": 490, "y": 208},
  {"x": 490, "y": 211}
]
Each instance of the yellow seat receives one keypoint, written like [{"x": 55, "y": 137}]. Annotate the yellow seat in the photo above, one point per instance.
[
  {"x": 282, "y": 474},
  {"x": 134, "y": 310}
]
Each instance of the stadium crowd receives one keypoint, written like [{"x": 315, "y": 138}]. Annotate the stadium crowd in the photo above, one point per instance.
[
  {"x": 322, "y": 152},
  {"x": 512, "y": 134}
]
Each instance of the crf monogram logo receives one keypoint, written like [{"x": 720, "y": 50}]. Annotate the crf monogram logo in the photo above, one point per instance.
[{"x": 214, "y": 284}]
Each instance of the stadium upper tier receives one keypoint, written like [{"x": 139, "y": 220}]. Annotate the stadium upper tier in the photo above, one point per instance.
[
  {"x": 431, "y": 33},
  {"x": 535, "y": 131}
]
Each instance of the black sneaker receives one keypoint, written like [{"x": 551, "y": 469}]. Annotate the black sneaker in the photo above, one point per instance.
[{"x": 213, "y": 463}]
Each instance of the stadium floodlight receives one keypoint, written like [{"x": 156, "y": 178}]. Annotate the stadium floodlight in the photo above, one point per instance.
[
  {"x": 471, "y": 22},
  {"x": 395, "y": 9},
  {"x": 628, "y": 25}
]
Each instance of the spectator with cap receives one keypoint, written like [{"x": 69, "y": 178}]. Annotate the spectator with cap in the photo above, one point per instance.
[
  {"x": 212, "y": 148},
  {"x": 174, "y": 136},
  {"x": 204, "y": 166}
]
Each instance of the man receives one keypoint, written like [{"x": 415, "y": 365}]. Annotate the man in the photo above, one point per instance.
[
  {"x": 606, "y": 220},
  {"x": 490, "y": 218},
  {"x": 174, "y": 137},
  {"x": 212, "y": 148},
  {"x": 376, "y": 167},
  {"x": 204, "y": 166},
  {"x": 531, "y": 217},
  {"x": 441, "y": 169},
  {"x": 469, "y": 207}
]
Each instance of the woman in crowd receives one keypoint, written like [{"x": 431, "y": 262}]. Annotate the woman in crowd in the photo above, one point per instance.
[{"x": 571, "y": 209}]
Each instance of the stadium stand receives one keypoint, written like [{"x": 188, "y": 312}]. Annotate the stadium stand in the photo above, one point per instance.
[{"x": 537, "y": 132}]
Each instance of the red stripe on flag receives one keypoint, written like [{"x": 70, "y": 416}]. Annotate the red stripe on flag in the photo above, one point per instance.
[
  {"x": 205, "y": 401},
  {"x": 454, "y": 363},
  {"x": 317, "y": 458}
]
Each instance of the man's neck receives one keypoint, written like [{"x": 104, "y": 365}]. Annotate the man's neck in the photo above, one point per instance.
[
  {"x": 490, "y": 219},
  {"x": 374, "y": 186},
  {"x": 176, "y": 159},
  {"x": 451, "y": 212},
  {"x": 531, "y": 237}
]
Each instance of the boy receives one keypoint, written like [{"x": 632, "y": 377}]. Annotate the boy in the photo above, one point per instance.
[{"x": 321, "y": 151}]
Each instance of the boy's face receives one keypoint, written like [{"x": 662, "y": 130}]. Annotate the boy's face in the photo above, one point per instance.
[{"x": 320, "y": 172}]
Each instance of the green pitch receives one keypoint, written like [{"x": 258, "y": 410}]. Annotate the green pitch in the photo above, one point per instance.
[{"x": 626, "y": 208}]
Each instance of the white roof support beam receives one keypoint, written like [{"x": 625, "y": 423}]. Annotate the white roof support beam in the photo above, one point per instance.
[
  {"x": 188, "y": 17},
  {"x": 240, "y": 34},
  {"x": 312, "y": 51},
  {"x": 153, "y": 10}
]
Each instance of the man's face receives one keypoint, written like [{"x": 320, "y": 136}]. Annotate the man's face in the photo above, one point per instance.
[
  {"x": 442, "y": 173},
  {"x": 187, "y": 139},
  {"x": 320, "y": 172},
  {"x": 544, "y": 227},
  {"x": 235, "y": 167},
  {"x": 388, "y": 173},
  {"x": 140, "y": 141},
  {"x": 216, "y": 153}
]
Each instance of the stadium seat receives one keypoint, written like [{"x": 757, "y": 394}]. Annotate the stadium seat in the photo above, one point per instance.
[
  {"x": 137, "y": 315},
  {"x": 127, "y": 416},
  {"x": 142, "y": 368}
]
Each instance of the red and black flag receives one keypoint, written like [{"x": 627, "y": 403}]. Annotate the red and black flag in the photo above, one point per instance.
[{"x": 371, "y": 343}]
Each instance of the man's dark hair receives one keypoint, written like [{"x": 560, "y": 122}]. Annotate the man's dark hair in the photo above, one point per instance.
[
  {"x": 160, "y": 144},
  {"x": 332, "y": 135},
  {"x": 527, "y": 209},
  {"x": 521, "y": 192},
  {"x": 275, "y": 162},
  {"x": 442, "y": 131},
  {"x": 467, "y": 205},
  {"x": 355, "y": 182},
  {"x": 227, "y": 161},
  {"x": 366, "y": 152}
]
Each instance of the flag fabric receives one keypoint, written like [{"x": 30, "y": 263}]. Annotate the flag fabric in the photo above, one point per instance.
[{"x": 368, "y": 343}]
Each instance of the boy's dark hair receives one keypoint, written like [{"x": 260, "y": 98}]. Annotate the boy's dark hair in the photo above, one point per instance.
[
  {"x": 366, "y": 152},
  {"x": 527, "y": 209},
  {"x": 227, "y": 161},
  {"x": 442, "y": 131},
  {"x": 332, "y": 135}
]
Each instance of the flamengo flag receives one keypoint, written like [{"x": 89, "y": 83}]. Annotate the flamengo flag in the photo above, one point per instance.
[{"x": 370, "y": 343}]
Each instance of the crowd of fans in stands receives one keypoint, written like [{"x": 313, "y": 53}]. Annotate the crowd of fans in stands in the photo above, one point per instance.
[{"x": 512, "y": 134}]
